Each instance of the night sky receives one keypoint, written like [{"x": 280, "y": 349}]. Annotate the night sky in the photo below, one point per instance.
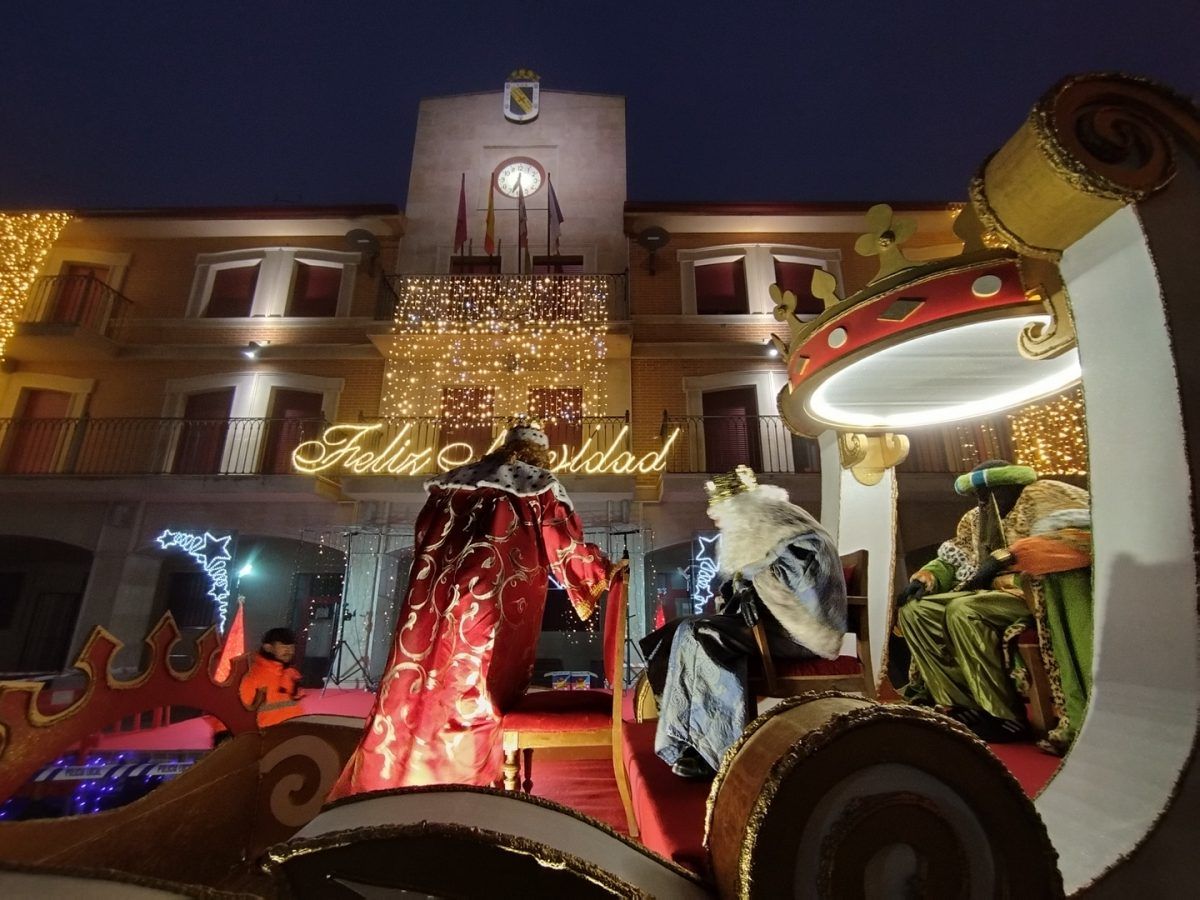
[{"x": 149, "y": 104}]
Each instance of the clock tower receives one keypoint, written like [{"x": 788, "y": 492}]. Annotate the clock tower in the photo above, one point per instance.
[{"x": 574, "y": 141}]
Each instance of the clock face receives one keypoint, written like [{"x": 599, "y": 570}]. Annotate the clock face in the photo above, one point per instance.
[{"x": 521, "y": 171}]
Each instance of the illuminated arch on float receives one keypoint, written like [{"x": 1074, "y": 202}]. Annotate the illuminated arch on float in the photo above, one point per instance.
[{"x": 1103, "y": 180}]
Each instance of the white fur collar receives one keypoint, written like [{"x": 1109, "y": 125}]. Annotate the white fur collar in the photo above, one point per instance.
[{"x": 517, "y": 477}]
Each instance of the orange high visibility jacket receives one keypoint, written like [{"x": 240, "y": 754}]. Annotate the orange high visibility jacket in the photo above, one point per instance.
[{"x": 280, "y": 687}]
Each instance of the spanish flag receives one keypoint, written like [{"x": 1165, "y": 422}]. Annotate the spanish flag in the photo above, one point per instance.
[{"x": 489, "y": 229}]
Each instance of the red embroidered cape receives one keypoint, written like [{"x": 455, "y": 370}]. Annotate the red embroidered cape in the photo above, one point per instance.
[{"x": 467, "y": 632}]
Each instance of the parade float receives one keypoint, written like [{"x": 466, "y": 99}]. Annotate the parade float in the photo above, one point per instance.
[{"x": 1077, "y": 265}]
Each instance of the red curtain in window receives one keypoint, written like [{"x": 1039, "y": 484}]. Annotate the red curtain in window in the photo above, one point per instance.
[
  {"x": 467, "y": 414},
  {"x": 731, "y": 435},
  {"x": 560, "y": 410},
  {"x": 315, "y": 290},
  {"x": 202, "y": 434},
  {"x": 721, "y": 288},
  {"x": 797, "y": 278},
  {"x": 232, "y": 292},
  {"x": 38, "y": 436},
  {"x": 296, "y": 416}
]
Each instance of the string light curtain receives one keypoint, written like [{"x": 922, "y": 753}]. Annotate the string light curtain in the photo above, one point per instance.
[
  {"x": 25, "y": 239},
  {"x": 515, "y": 334},
  {"x": 1052, "y": 436}
]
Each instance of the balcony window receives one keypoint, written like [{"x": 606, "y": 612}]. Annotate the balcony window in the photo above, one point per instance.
[
  {"x": 797, "y": 278},
  {"x": 201, "y": 443},
  {"x": 232, "y": 292},
  {"x": 296, "y": 416},
  {"x": 315, "y": 290},
  {"x": 37, "y": 438},
  {"x": 731, "y": 432},
  {"x": 721, "y": 287},
  {"x": 277, "y": 281},
  {"x": 79, "y": 293},
  {"x": 735, "y": 279},
  {"x": 560, "y": 410},
  {"x": 467, "y": 416}
]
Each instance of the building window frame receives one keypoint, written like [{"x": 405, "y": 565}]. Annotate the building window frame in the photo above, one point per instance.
[
  {"x": 777, "y": 456},
  {"x": 759, "y": 261},
  {"x": 117, "y": 264},
  {"x": 252, "y": 396},
  {"x": 80, "y": 390},
  {"x": 276, "y": 278}
]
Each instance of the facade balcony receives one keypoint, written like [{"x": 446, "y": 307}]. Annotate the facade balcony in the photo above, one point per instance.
[
  {"x": 112, "y": 447},
  {"x": 470, "y": 299},
  {"x": 71, "y": 315},
  {"x": 151, "y": 446},
  {"x": 712, "y": 444}
]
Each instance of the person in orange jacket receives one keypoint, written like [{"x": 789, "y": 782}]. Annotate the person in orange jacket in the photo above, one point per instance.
[{"x": 272, "y": 675}]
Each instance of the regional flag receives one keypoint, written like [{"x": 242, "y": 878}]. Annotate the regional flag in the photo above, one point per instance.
[
  {"x": 460, "y": 227},
  {"x": 554, "y": 219},
  {"x": 489, "y": 228},
  {"x": 522, "y": 231}
]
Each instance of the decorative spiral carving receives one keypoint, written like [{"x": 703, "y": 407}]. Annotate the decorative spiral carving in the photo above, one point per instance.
[
  {"x": 1113, "y": 135},
  {"x": 299, "y": 774},
  {"x": 830, "y": 795},
  {"x": 1092, "y": 144}
]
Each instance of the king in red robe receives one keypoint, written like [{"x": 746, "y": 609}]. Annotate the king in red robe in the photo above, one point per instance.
[{"x": 486, "y": 541}]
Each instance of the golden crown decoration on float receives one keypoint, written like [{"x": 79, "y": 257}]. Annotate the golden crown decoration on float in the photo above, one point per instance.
[
  {"x": 729, "y": 484},
  {"x": 986, "y": 309}
]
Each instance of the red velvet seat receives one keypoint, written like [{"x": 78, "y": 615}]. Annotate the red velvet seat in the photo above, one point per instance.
[
  {"x": 790, "y": 677},
  {"x": 670, "y": 810},
  {"x": 799, "y": 668},
  {"x": 575, "y": 722},
  {"x": 543, "y": 711}
]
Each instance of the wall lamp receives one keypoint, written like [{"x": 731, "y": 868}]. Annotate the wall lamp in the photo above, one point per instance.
[{"x": 254, "y": 348}]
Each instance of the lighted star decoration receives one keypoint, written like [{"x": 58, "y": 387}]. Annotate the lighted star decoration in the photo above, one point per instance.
[
  {"x": 212, "y": 553},
  {"x": 704, "y": 570}
]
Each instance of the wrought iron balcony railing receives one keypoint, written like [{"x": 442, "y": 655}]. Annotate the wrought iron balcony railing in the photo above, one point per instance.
[
  {"x": 710, "y": 444},
  {"x": 244, "y": 446},
  {"x": 146, "y": 446},
  {"x": 77, "y": 300},
  {"x": 569, "y": 438}
]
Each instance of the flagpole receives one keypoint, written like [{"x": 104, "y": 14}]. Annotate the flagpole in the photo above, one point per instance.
[{"x": 548, "y": 182}]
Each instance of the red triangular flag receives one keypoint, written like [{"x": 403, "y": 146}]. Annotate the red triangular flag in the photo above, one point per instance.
[
  {"x": 235, "y": 645},
  {"x": 460, "y": 228},
  {"x": 660, "y": 615}
]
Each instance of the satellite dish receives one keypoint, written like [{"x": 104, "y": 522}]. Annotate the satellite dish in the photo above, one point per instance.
[{"x": 653, "y": 238}]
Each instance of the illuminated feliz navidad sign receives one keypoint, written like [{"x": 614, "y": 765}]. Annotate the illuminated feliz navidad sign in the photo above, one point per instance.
[{"x": 346, "y": 449}]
